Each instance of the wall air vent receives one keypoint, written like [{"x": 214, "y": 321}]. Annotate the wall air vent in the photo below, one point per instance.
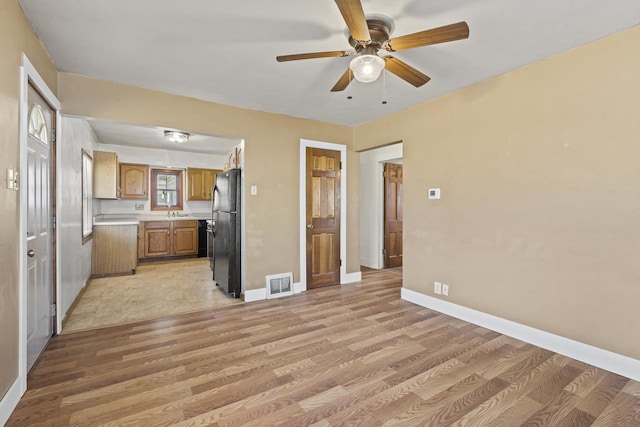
[{"x": 279, "y": 285}]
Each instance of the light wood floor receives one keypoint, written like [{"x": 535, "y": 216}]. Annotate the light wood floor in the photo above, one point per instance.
[
  {"x": 158, "y": 289},
  {"x": 350, "y": 355}
]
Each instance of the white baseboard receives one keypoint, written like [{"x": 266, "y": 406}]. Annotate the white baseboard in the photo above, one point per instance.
[
  {"x": 297, "y": 288},
  {"x": 9, "y": 402},
  {"x": 614, "y": 362},
  {"x": 352, "y": 277},
  {"x": 255, "y": 295}
]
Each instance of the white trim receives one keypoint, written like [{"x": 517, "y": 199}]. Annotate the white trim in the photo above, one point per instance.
[
  {"x": 243, "y": 228},
  {"x": 297, "y": 288},
  {"x": 353, "y": 277},
  {"x": 10, "y": 401},
  {"x": 28, "y": 72},
  {"x": 255, "y": 295},
  {"x": 595, "y": 356},
  {"x": 304, "y": 143}
]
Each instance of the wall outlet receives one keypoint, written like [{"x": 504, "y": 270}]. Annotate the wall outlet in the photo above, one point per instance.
[
  {"x": 437, "y": 287},
  {"x": 445, "y": 289},
  {"x": 139, "y": 207},
  {"x": 254, "y": 190}
]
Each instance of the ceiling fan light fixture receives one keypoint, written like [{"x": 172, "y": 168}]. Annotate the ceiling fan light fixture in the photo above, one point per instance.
[
  {"x": 366, "y": 68},
  {"x": 176, "y": 136}
]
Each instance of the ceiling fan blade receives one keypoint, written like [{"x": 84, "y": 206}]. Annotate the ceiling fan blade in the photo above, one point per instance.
[
  {"x": 297, "y": 56},
  {"x": 343, "y": 82},
  {"x": 444, "y": 34},
  {"x": 405, "y": 71},
  {"x": 353, "y": 15}
]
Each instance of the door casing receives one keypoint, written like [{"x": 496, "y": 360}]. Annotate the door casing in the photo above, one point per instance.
[{"x": 28, "y": 73}]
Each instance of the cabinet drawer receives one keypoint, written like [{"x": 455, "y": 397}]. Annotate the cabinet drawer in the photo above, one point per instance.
[
  {"x": 185, "y": 224},
  {"x": 156, "y": 224}
]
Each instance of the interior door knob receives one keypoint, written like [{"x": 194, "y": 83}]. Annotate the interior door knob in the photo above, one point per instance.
[
  {"x": 309, "y": 225},
  {"x": 31, "y": 253}
]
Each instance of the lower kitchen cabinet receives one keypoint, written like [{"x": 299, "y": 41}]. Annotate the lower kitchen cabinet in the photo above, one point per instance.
[
  {"x": 185, "y": 237},
  {"x": 114, "y": 250},
  {"x": 168, "y": 238}
]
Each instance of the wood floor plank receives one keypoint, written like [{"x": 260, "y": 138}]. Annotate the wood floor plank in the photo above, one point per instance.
[{"x": 342, "y": 355}]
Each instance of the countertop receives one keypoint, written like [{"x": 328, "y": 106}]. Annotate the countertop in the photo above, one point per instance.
[{"x": 135, "y": 220}]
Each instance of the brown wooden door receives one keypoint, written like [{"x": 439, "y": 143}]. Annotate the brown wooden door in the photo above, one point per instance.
[
  {"x": 392, "y": 215},
  {"x": 323, "y": 217}
]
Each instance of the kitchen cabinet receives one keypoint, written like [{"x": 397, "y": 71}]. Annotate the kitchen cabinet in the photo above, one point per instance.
[
  {"x": 185, "y": 237},
  {"x": 134, "y": 181},
  {"x": 200, "y": 183},
  {"x": 169, "y": 238},
  {"x": 114, "y": 250},
  {"x": 106, "y": 175}
]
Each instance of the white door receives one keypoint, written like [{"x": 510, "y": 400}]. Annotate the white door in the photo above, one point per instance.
[{"x": 39, "y": 251}]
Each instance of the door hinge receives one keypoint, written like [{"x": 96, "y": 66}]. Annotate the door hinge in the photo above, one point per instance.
[
  {"x": 384, "y": 174},
  {"x": 340, "y": 165},
  {"x": 340, "y": 263},
  {"x": 384, "y": 252},
  {"x": 53, "y": 309},
  {"x": 53, "y": 223},
  {"x": 53, "y": 135}
]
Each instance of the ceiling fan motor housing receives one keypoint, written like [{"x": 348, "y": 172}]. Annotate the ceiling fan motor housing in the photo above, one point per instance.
[{"x": 379, "y": 31}]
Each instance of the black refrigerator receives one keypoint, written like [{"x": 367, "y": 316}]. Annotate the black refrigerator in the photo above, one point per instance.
[{"x": 226, "y": 231}]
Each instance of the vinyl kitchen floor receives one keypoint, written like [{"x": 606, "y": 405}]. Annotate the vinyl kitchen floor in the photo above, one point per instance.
[{"x": 157, "y": 290}]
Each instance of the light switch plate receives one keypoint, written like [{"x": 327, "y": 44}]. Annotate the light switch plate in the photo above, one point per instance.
[
  {"x": 437, "y": 288},
  {"x": 10, "y": 179},
  {"x": 254, "y": 190}
]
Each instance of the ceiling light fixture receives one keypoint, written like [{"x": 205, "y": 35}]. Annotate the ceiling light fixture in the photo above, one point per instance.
[
  {"x": 366, "y": 68},
  {"x": 176, "y": 136}
]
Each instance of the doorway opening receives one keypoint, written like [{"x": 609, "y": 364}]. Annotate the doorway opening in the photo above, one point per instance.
[
  {"x": 302, "y": 285},
  {"x": 39, "y": 290},
  {"x": 372, "y": 207}
]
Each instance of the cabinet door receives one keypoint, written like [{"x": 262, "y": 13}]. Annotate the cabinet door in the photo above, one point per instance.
[
  {"x": 157, "y": 242},
  {"x": 134, "y": 181},
  {"x": 195, "y": 184},
  {"x": 210, "y": 179},
  {"x": 185, "y": 237},
  {"x": 106, "y": 176}
]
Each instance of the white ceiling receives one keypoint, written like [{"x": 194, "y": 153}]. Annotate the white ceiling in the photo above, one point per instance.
[
  {"x": 224, "y": 50},
  {"x": 109, "y": 132}
]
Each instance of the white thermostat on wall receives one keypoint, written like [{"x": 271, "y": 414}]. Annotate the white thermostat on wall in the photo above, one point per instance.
[{"x": 434, "y": 193}]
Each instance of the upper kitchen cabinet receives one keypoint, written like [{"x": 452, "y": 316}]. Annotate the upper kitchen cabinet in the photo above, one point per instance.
[
  {"x": 200, "y": 183},
  {"x": 106, "y": 175},
  {"x": 134, "y": 181}
]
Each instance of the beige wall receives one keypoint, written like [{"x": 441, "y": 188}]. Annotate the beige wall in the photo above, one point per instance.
[
  {"x": 540, "y": 176},
  {"x": 16, "y": 37},
  {"x": 272, "y": 150}
]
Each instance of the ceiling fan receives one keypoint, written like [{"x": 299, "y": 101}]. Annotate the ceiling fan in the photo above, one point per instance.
[{"x": 368, "y": 36}]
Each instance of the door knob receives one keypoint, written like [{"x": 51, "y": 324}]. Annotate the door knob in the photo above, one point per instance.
[
  {"x": 309, "y": 225},
  {"x": 31, "y": 253}
]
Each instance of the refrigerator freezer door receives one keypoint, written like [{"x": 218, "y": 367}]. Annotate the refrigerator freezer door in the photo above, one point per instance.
[{"x": 226, "y": 191}]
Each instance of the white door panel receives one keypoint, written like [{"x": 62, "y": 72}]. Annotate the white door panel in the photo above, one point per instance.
[{"x": 39, "y": 284}]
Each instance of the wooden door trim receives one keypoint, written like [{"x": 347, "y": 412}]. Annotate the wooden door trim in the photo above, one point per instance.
[
  {"x": 301, "y": 285},
  {"x": 29, "y": 75}
]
